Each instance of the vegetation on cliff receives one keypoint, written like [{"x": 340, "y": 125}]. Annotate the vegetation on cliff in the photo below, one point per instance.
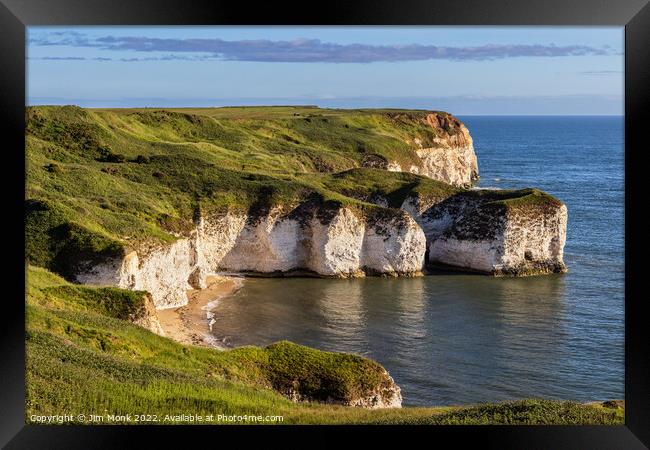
[
  {"x": 103, "y": 180},
  {"x": 481, "y": 214},
  {"x": 83, "y": 357},
  {"x": 123, "y": 176}
]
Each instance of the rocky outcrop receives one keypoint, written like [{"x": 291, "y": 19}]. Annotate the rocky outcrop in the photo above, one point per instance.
[
  {"x": 333, "y": 243},
  {"x": 146, "y": 316},
  {"x": 164, "y": 271},
  {"x": 496, "y": 232},
  {"x": 307, "y": 375},
  {"x": 330, "y": 242},
  {"x": 451, "y": 158},
  {"x": 380, "y": 396},
  {"x": 446, "y": 154}
]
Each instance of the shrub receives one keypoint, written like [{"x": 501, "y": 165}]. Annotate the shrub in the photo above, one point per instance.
[
  {"x": 53, "y": 168},
  {"x": 106, "y": 155},
  {"x": 114, "y": 158}
]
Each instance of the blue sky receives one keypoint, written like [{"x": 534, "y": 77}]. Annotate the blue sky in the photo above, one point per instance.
[{"x": 465, "y": 70}]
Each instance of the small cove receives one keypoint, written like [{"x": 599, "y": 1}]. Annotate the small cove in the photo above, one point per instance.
[{"x": 458, "y": 339}]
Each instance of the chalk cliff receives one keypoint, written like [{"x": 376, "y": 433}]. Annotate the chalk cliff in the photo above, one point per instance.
[
  {"x": 329, "y": 242},
  {"x": 445, "y": 154},
  {"x": 278, "y": 221},
  {"x": 157, "y": 200},
  {"x": 380, "y": 397},
  {"x": 497, "y": 232}
]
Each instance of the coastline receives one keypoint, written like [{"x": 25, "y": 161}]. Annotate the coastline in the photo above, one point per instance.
[{"x": 190, "y": 324}]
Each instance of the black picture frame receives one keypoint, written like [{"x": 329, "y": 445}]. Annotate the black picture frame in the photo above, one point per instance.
[{"x": 15, "y": 15}]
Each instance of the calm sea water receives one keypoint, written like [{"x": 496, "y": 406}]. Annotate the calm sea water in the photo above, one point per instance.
[{"x": 457, "y": 339}]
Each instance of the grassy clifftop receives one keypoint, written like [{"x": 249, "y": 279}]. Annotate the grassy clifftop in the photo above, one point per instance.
[
  {"x": 74, "y": 331},
  {"x": 270, "y": 140},
  {"x": 83, "y": 357},
  {"x": 99, "y": 181}
]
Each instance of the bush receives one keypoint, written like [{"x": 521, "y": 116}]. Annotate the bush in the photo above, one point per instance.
[
  {"x": 114, "y": 158},
  {"x": 53, "y": 168},
  {"x": 106, "y": 155}
]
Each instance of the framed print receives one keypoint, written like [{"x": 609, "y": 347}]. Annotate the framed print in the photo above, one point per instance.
[{"x": 419, "y": 217}]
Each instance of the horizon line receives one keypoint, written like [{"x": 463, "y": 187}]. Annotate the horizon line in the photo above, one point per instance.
[{"x": 325, "y": 108}]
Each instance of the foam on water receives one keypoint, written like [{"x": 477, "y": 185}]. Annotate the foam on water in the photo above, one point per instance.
[{"x": 209, "y": 307}]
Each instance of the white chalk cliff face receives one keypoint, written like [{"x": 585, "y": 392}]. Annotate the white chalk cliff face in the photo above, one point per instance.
[
  {"x": 449, "y": 157},
  {"x": 455, "y": 164},
  {"x": 521, "y": 246},
  {"x": 464, "y": 230},
  {"x": 470, "y": 232},
  {"x": 339, "y": 243},
  {"x": 386, "y": 397},
  {"x": 452, "y": 159}
]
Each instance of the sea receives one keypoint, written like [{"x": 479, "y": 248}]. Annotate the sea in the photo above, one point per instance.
[{"x": 464, "y": 339}]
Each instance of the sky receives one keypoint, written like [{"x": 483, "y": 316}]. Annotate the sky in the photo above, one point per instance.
[{"x": 463, "y": 70}]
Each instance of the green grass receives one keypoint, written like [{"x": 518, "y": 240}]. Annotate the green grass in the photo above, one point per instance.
[
  {"x": 128, "y": 174},
  {"x": 95, "y": 317},
  {"x": 322, "y": 374},
  {"x": 83, "y": 358},
  {"x": 395, "y": 187},
  {"x": 77, "y": 333},
  {"x": 516, "y": 198}
]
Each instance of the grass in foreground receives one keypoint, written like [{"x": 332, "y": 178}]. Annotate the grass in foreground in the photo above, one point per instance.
[{"x": 82, "y": 358}]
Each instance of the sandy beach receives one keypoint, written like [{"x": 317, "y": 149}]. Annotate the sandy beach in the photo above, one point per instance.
[{"x": 190, "y": 324}]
